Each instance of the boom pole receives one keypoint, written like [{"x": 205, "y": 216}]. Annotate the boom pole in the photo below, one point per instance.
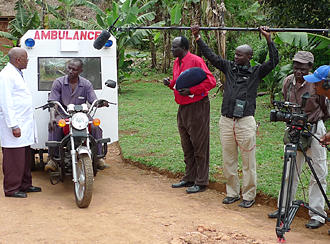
[{"x": 323, "y": 31}]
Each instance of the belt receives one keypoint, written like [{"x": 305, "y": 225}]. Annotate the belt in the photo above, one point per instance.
[{"x": 232, "y": 117}]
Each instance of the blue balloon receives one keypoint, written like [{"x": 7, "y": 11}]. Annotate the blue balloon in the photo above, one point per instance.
[{"x": 190, "y": 77}]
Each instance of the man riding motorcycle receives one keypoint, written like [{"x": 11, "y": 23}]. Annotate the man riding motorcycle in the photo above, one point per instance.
[{"x": 70, "y": 89}]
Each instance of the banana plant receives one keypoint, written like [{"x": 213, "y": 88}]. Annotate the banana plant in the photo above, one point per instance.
[
  {"x": 274, "y": 80},
  {"x": 317, "y": 44},
  {"x": 131, "y": 13},
  {"x": 296, "y": 41},
  {"x": 3, "y": 60},
  {"x": 26, "y": 18},
  {"x": 305, "y": 40}
]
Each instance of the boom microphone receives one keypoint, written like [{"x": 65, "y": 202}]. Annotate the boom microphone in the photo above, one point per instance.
[{"x": 101, "y": 39}]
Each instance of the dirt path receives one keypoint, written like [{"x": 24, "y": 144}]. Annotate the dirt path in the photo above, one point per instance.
[{"x": 131, "y": 205}]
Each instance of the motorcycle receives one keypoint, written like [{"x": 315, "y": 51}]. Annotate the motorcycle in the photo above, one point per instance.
[{"x": 78, "y": 149}]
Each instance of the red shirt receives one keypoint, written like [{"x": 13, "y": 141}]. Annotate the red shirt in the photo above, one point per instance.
[{"x": 199, "y": 91}]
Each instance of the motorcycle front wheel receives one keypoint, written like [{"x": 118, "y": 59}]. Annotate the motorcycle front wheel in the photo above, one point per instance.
[{"x": 83, "y": 188}]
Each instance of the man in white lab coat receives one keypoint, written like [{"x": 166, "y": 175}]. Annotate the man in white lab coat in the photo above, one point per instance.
[{"x": 17, "y": 126}]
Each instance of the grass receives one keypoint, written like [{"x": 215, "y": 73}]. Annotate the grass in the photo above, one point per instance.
[{"x": 148, "y": 132}]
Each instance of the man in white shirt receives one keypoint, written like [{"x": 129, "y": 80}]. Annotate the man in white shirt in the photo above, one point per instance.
[{"x": 17, "y": 126}]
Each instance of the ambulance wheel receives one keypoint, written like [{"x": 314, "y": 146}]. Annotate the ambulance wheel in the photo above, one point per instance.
[{"x": 83, "y": 188}]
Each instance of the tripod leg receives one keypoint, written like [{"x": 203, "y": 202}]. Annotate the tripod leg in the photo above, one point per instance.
[
  {"x": 316, "y": 178},
  {"x": 283, "y": 222}
]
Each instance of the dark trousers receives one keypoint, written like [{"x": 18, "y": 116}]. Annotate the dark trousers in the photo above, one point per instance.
[
  {"x": 194, "y": 128},
  {"x": 16, "y": 169}
]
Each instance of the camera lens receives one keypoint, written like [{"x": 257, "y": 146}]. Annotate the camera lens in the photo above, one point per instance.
[{"x": 273, "y": 115}]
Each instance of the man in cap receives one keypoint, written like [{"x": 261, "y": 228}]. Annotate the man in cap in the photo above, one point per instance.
[
  {"x": 321, "y": 78},
  {"x": 294, "y": 86}
]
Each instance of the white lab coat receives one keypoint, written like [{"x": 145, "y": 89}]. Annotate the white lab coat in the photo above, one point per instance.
[{"x": 16, "y": 109}]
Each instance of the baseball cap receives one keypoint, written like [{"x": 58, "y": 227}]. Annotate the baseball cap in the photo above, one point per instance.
[
  {"x": 321, "y": 73},
  {"x": 304, "y": 57}
]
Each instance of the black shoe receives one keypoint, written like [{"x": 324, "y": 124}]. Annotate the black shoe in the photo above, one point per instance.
[
  {"x": 101, "y": 165},
  {"x": 195, "y": 189},
  {"x": 18, "y": 194},
  {"x": 33, "y": 189},
  {"x": 313, "y": 224},
  {"x": 230, "y": 200},
  {"x": 246, "y": 203},
  {"x": 274, "y": 214},
  {"x": 183, "y": 184}
]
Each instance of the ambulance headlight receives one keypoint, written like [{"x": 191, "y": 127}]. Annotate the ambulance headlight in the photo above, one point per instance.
[
  {"x": 79, "y": 121},
  {"x": 30, "y": 43},
  {"x": 108, "y": 43}
]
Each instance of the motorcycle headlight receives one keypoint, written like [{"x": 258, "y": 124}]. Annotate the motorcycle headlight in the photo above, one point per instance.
[{"x": 79, "y": 121}]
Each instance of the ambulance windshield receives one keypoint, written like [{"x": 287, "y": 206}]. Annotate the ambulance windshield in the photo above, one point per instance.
[{"x": 51, "y": 68}]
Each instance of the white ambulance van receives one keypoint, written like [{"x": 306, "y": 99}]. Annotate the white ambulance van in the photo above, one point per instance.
[{"x": 48, "y": 53}]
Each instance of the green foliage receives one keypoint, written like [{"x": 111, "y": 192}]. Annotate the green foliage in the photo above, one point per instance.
[
  {"x": 258, "y": 45},
  {"x": 3, "y": 60},
  {"x": 294, "y": 38},
  {"x": 244, "y": 13},
  {"x": 251, "y": 15},
  {"x": 8, "y": 35},
  {"x": 290, "y": 43},
  {"x": 130, "y": 13},
  {"x": 26, "y": 18},
  {"x": 176, "y": 14},
  {"x": 297, "y": 13},
  {"x": 60, "y": 16},
  {"x": 272, "y": 83}
]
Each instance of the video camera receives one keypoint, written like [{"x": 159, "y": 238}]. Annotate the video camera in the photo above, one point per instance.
[
  {"x": 290, "y": 113},
  {"x": 297, "y": 131}
]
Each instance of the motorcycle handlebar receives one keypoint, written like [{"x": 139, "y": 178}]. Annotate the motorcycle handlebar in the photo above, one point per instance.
[
  {"x": 96, "y": 103},
  {"x": 99, "y": 103},
  {"x": 53, "y": 103}
]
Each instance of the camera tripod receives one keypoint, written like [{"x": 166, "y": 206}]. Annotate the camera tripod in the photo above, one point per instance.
[{"x": 284, "y": 219}]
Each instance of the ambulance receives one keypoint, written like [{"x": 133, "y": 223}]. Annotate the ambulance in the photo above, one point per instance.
[{"x": 48, "y": 53}]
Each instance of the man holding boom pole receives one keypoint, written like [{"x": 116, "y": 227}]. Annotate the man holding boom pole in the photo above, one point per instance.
[{"x": 237, "y": 123}]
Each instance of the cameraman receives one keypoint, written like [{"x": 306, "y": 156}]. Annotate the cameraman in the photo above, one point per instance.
[
  {"x": 294, "y": 86},
  {"x": 321, "y": 78}
]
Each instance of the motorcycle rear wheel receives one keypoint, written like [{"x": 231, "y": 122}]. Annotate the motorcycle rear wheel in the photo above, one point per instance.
[{"x": 83, "y": 189}]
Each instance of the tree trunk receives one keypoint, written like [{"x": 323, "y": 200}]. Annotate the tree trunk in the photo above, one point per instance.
[
  {"x": 222, "y": 11},
  {"x": 153, "y": 52},
  {"x": 196, "y": 19},
  {"x": 166, "y": 47},
  {"x": 167, "y": 52}
]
